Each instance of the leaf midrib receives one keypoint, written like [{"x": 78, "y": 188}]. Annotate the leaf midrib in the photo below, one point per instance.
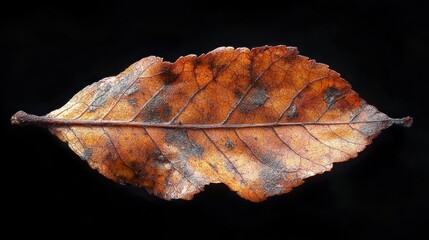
[{"x": 22, "y": 118}]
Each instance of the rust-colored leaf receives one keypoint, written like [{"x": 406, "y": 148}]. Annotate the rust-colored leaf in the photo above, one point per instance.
[{"x": 259, "y": 120}]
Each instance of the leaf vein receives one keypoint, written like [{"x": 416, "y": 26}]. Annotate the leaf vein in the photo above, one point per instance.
[
  {"x": 172, "y": 164},
  {"x": 252, "y": 84},
  {"x": 293, "y": 150},
  {"x": 297, "y": 94},
  {"x": 320, "y": 141},
  {"x": 226, "y": 157},
  {"x": 202, "y": 88}
]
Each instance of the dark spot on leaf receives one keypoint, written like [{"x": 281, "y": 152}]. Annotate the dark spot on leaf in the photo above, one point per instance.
[
  {"x": 270, "y": 160},
  {"x": 197, "y": 61},
  {"x": 134, "y": 164},
  {"x": 330, "y": 95},
  {"x": 166, "y": 111},
  {"x": 257, "y": 100},
  {"x": 212, "y": 65},
  {"x": 168, "y": 77},
  {"x": 132, "y": 102},
  {"x": 155, "y": 103},
  {"x": 137, "y": 168},
  {"x": 137, "y": 176},
  {"x": 229, "y": 143},
  {"x": 159, "y": 157},
  {"x": 238, "y": 93},
  {"x": 292, "y": 112},
  {"x": 157, "y": 111},
  {"x": 180, "y": 139},
  {"x": 87, "y": 154},
  {"x": 245, "y": 107},
  {"x": 156, "y": 158},
  {"x": 259, "y": 97},
  {"x": 210, "y": 117}
]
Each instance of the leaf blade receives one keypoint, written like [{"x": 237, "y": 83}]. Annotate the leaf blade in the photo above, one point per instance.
[{"x": 259, "y": 120}]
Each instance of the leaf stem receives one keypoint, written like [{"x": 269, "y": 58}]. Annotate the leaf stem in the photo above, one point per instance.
[{"x": 404, "y": 122}]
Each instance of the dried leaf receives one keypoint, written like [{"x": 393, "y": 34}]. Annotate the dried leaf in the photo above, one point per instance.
[{"x": 259, "y": 120}]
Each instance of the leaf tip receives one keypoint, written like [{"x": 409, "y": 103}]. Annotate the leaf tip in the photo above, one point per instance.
[
  {"x": 19, "y": 118},
  {"x": 404, "y": 122}
]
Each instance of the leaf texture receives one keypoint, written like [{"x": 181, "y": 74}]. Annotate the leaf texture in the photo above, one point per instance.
[{"x": 259, "y": 121}]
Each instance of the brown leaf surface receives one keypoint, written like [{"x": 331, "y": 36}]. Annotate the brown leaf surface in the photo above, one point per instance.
[{"x": 259, "y": 120}]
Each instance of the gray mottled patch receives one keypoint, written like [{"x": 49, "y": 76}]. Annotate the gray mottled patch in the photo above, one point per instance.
[
  {"x": 229, "y": 144},
  {"x": 367, "y": 129},
  {"x": 166, "y": 111},
  {"x": 259, "y": 97},
  {"x": 97, "y": 103},
  {"x": 133, "y": 89},
  {"x": 108, "y": 89},
  {"x": 330, "y": 95},
  {"x": 292, "y": 112},
  {"x": 115, "y": 88},
  {"x": 155, "y": 103},
  {"x": 271, "y": 181},
  {"x": 180, "y": 139},
  {"x": 157, "y": 110},
  {"x": 132, "y": 102},
  {"x": 229, "y": 166},
  {"x": 373, "y": 128},
  {"x": 118, "y": 90},
  {"x": 270, "y": 160},
  {"x": 87, "y": 154},
  {"x": 100, "y": 97},
  {"x": 245, "y": 107},
  {"x": 185, "y": 169}
]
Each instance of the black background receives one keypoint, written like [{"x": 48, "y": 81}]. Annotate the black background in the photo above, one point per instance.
[{"x": 51, "y": 51}]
